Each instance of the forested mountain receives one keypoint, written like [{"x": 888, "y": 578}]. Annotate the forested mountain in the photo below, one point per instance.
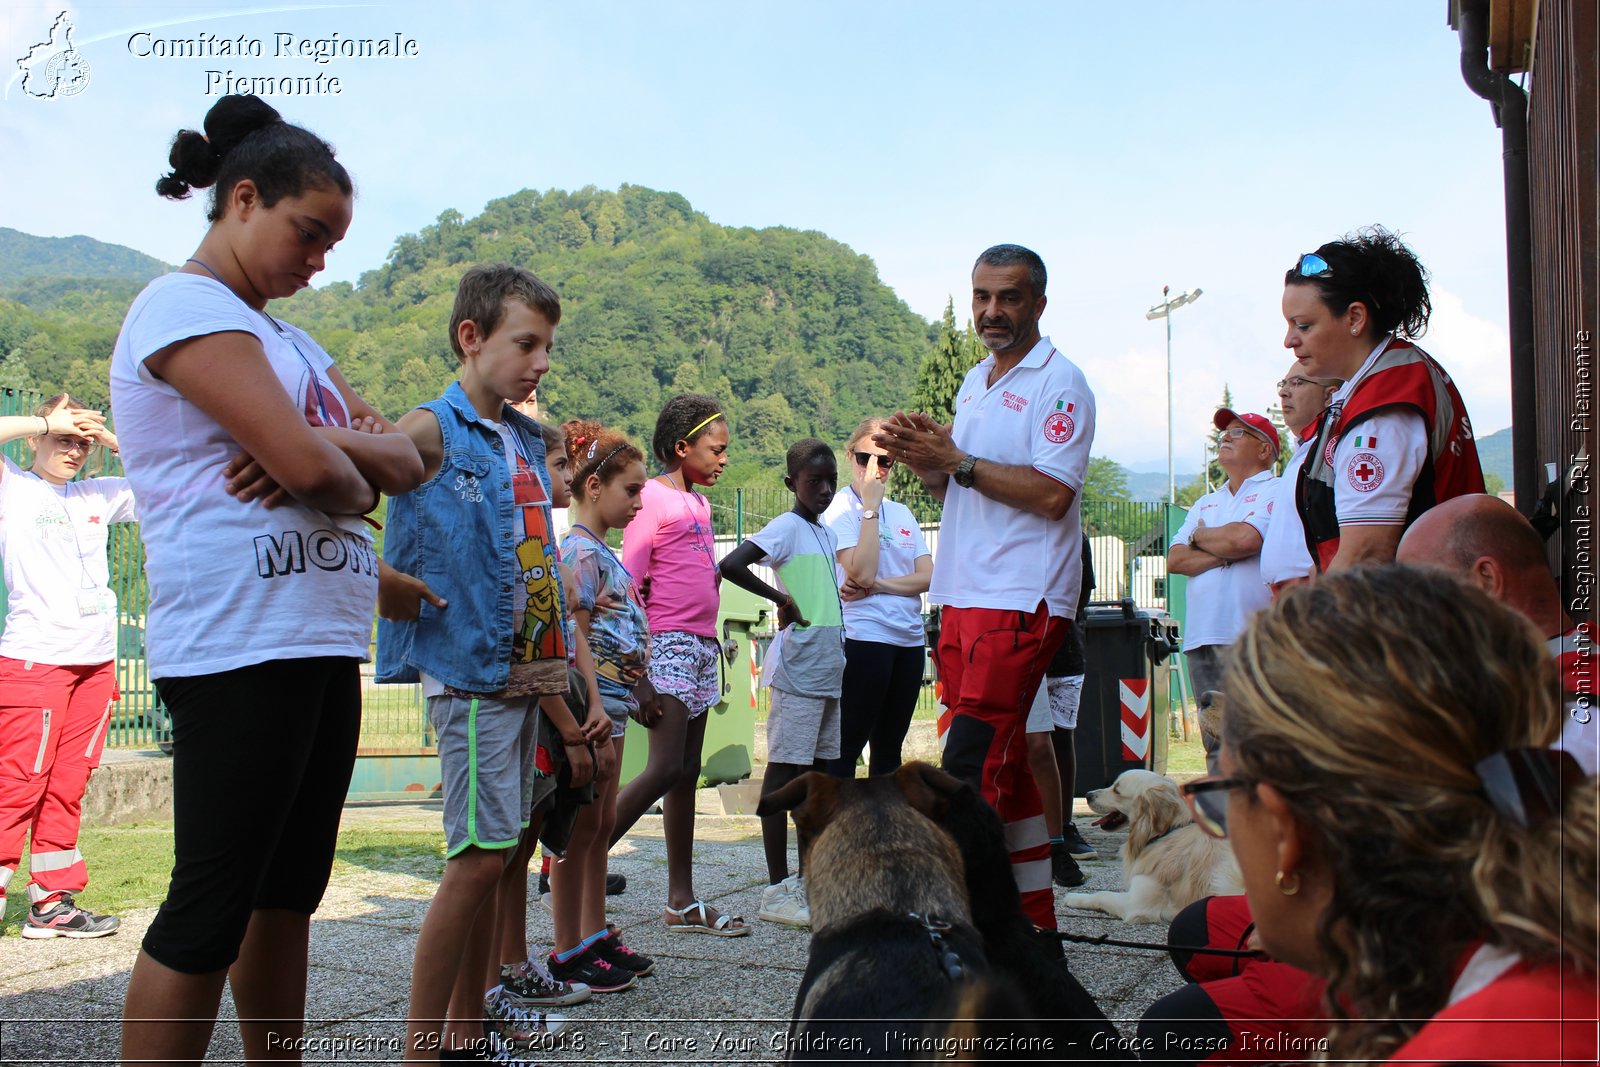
[
  {"x": 22, "y": 255},
  {"x": 793, "y": 330}
]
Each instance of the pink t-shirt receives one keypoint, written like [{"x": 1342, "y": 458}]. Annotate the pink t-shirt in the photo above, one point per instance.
[{"x": 669, "y": 542}]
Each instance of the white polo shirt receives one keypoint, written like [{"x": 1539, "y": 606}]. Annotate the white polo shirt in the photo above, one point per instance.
[
  {"x": 1040, "y": 413},
  {"x": 1375, "y": 464},
  {"x": 1284, "y": 554},
  {"x": 1221, "y": 601}
]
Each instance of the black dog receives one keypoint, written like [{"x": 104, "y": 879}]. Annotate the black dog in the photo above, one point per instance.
[
  {"x": 1032, "y": 959},
  {"x": 921, "y": 950}
]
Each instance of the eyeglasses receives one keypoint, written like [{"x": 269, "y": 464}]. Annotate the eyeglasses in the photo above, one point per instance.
[
  {"x": 1235, "y": 433},
  {"x": 1297, "y": 381},
  {"x": 863, "y": 458},
  {"x": 71, "y": 444},
  {"x": 1208, "y": 801},
  {"x": 1312, "y": 265}
]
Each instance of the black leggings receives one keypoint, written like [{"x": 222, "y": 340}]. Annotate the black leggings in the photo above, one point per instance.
[
  {"x": 876, "y": 700},
  {"x": 261, "y": 763}
]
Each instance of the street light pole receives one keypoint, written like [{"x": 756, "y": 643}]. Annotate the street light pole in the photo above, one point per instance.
[{"x": 1164, "y": 310}]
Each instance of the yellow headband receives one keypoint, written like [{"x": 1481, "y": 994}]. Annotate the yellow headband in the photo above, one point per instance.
[{"x": 702, "y": 426}]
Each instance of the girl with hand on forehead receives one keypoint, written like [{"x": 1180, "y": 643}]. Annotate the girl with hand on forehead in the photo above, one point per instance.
[{"x": 57, "y": 654}]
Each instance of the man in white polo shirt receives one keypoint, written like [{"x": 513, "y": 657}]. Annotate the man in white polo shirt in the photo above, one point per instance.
[
  {"x": 1218, "y": 548},
  {"x": 1008, "y": 566},
  {"x": 1285, "y": 558}
]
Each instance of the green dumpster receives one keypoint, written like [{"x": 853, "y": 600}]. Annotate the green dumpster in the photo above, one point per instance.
[{"x": 729, "y": 745}]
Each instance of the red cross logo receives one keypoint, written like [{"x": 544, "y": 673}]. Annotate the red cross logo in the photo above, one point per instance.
[{"x": 1364, "y": 472}]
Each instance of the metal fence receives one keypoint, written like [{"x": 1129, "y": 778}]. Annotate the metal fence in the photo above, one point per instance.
[{"x": 1126, "y": 537}]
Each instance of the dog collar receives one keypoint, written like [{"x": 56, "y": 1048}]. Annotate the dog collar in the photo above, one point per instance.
[
  {"x": 949, "y": 959},
  {"x": 1164, "y": 833}
]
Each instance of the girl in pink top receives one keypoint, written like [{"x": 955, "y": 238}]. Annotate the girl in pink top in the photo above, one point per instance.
[{"x": 668, "y": 549}]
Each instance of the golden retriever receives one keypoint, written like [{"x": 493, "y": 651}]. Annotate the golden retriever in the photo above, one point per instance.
[{"x": 1167, "y": 862}]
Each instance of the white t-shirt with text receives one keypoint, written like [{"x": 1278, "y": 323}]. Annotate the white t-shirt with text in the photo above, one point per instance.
[
  {"x": 60, "y": 607},
  {"x": 231, "y": 584}
]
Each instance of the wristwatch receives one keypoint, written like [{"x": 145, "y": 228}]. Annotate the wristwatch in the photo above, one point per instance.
[
  {"x": 963, "y": 474},
  {"x": 868, "y": 513}
]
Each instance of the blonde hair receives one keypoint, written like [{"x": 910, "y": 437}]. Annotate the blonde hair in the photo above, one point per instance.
[
  {"x": 1365, "y": 699},
  {"x": 94, "y": 461},
  {"x": 863, "y": 428}
]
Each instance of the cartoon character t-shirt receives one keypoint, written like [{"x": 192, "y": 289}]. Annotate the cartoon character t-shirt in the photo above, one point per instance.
[{"x": 539, "y": 642}]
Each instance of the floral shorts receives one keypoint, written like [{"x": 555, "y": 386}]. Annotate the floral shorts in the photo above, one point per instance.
[{"x": 684, "y": 665}]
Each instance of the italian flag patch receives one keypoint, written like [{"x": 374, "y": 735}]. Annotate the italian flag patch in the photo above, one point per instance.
[{"x": 1366, "y": 442}]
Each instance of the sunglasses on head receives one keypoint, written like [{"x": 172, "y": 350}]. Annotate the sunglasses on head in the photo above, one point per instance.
[
  {"x": 1312, "y": 265},
  {"x": 1207, "y": 799},
  {"x": 863, "y": 458}
]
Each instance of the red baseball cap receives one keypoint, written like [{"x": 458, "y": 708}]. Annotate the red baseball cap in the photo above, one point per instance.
[{"x": 1259, "y": 425}]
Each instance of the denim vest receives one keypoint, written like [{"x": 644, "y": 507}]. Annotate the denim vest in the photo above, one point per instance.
[{"x": 455, "y": 532}]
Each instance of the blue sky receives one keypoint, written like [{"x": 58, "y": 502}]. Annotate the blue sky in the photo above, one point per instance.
[{"x": 1133, "y": 145}]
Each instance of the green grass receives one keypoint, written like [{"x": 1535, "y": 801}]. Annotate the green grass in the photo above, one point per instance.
[
  {"x": 129, "y": 865},
  {"x": 1186, "y": 756}
]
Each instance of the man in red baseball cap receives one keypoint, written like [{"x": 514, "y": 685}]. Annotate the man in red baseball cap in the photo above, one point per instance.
[{"x": 1219, "y": 547}]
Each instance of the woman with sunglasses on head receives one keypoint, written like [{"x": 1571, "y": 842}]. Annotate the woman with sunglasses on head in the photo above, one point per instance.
[
  {"x": 57, "y": 654},
  {"x": 1405, "y": 831},
  {"x": 1396, "y": 438},
  {"x": 254, "y": 462},
  {"x": 886, "y": 566}
]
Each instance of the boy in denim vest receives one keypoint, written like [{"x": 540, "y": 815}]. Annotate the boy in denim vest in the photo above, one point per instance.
[{"x": 472, "y": 604}]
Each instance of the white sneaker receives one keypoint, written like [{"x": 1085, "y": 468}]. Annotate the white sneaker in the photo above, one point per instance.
[{"x": 785, "y": 903}]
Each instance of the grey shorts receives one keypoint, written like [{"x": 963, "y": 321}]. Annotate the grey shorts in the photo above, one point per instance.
[
  {"x": 1055, "y": 705},
  {"x": 684, "y": 665},
  {"x": 802, "y": 729},
  {"x": 486, "y": 763}
]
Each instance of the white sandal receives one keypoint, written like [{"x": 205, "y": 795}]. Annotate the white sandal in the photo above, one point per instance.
[{"x": 722, "y": 927}]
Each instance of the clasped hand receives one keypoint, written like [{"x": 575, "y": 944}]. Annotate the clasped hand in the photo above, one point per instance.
[{"x": 919, "y": 441}]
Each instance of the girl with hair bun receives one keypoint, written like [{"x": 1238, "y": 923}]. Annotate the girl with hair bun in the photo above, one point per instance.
[
  {"x": 1395, "y": 439},
  {"x": 1404, "y": 828},
  {"x": 254, "y": 462}
]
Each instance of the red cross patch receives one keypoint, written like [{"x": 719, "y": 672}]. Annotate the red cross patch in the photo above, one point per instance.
[
  {"x": 1058, "y": 427},
  {"x": 1364, "y": 472},
  {"x": 1327, "y": 453}
]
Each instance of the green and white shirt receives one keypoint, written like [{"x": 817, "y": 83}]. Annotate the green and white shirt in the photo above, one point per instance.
[{"x": 803, "y": 555}]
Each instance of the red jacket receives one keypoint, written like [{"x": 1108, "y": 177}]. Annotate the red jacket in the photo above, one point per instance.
[
  {"x": 1529, "y": 1015},
  {"x": 1403, "y": 376}
]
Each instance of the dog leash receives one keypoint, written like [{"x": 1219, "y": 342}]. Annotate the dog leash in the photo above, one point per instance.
[
  {"x": 1198, "y": 950},
  {"x": 949, "y": 960}
]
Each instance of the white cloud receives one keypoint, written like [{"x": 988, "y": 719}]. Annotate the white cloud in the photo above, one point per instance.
[{"x": 1477, "y": 353}]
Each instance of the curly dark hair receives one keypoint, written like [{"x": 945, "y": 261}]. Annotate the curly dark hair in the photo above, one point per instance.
[
  {"x": 1366, "y": 699},
  {"x": 683, "y": 418},
  {"x": 245, "y": 137},
  {"x": 1374, "y": 267}
]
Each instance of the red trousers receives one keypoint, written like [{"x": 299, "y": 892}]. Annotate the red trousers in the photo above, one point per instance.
[
  {"x": 991, "y": 662},
  {"x": 52, "y": 729},
  {"x": 1234, "y": 1011}
]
